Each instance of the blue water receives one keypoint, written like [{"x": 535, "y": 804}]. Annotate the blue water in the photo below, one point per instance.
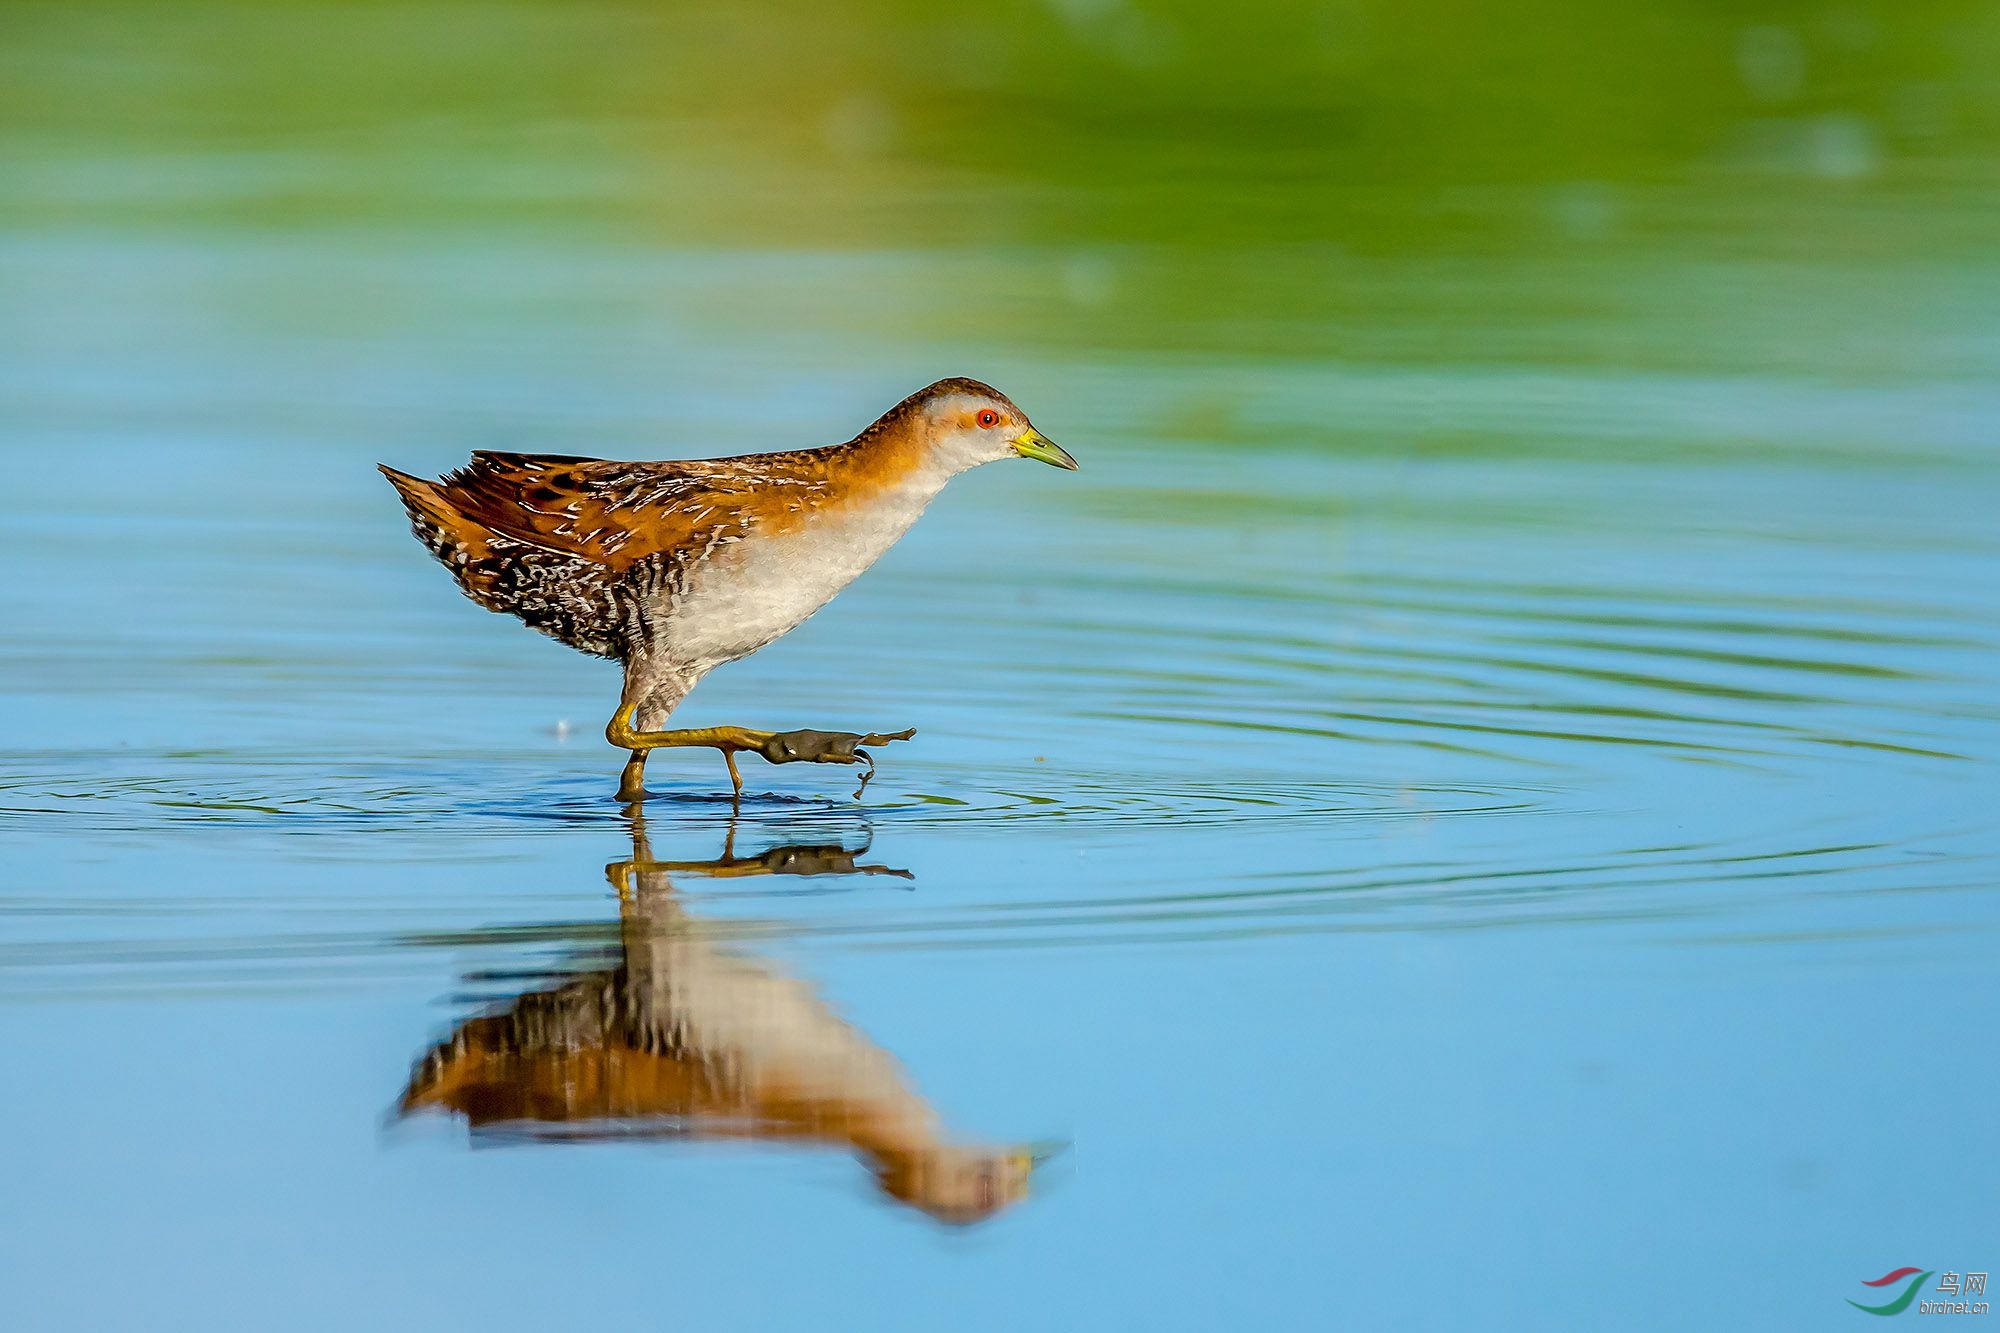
[{"x": 1474, "y": 809}]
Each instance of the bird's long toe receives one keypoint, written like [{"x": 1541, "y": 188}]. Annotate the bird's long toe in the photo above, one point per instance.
[{"x": 807, "y": 746}]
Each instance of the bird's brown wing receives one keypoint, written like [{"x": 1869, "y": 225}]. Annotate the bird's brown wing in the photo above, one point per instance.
[
  {"x": 617, "y": 513},
  {"x": 554, "y": 539}
]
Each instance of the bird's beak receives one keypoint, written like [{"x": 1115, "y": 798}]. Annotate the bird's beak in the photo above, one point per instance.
[
  {"x": 1031, "y": 443},
  {"x": 1031, "y": 1155}
]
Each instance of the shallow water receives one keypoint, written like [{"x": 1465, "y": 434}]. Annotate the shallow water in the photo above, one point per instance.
[{"x": 1475, "y": 807}]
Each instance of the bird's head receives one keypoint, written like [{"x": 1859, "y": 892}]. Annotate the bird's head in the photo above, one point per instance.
[
  {"x": 961, "y": 1184},
  {"x": 964, "y": 423}
]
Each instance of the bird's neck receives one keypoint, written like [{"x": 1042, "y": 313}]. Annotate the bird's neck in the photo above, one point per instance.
[
  {"x": 875, "y": 488},
  {"x": 895, "y": 457}
]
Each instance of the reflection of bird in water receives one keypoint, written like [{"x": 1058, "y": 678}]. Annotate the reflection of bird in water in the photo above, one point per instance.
[
  {"x": 675, "y": 568},
  {"x": 686, "y": 1037}
]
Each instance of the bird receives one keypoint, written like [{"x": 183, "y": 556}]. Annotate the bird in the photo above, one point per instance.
[
  {"x": 688, "y": 1038},
  {"x": 675, "y": 568}
]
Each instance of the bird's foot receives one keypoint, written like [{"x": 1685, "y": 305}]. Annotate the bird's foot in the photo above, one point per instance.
[
  {"x": 778, "y": 747},
  {"x": 807, "y": 746}
]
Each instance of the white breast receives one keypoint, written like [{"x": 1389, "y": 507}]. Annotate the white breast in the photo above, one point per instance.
[{"x": 750, "y": 591}]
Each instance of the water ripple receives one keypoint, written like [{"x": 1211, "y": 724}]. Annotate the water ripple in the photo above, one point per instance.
[{"x": 495, "y": 797}]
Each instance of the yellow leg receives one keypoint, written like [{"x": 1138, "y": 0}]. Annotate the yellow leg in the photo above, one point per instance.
[
  {"x": 777, "y": 747},
  {"x": 632, "y": 782}
]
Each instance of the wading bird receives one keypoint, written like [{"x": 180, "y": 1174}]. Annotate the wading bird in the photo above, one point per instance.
[
  {"x": 675, "y": 568},
  {"x": 687, "y": 1038}
]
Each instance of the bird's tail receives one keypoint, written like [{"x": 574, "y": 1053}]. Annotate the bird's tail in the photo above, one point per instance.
[{"x": 460, "y": 544}]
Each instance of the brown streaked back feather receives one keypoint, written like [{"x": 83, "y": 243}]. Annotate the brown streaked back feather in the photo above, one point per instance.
[
  {"x": 619, "y": 513},
  {"x": 591, "y": 551},
  {"x": 584, "y": 506},
  {"x": 579, "y": 547}
]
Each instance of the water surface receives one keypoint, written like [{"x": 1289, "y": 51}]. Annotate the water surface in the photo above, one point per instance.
[{"x": 1475, "y": 807}]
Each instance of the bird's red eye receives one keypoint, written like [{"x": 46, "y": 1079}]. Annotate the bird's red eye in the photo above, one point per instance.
[{"x": 988, "y": 417}]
